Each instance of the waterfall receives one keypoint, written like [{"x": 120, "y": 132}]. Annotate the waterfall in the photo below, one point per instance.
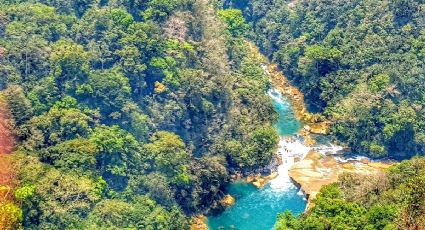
[
  {"x": 289, "y": 149},
  {"x": 276, "y": 96}
]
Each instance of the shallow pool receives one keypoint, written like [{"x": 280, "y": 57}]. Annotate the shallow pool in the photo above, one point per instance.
[{"x": 256, "y": 209}]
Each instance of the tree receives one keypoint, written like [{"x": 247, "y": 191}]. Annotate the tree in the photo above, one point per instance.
[
  {"x": 168, "y": 155},
  {"x": 208, "y": 177},
  {"x": 69, "y": 64},
  {"x": 109, "y": 91},
  {"x": 159, "y": 10},
  {"x": 19, "y": 105},
  {"x": 10, "y": 215},
  {"x": 123, "y": 109},
  {"x": 118, "y": 155},
  {"x": 141, "y": 213},
  {"x": 58, "y": 124},
  {"x": 75, "y": 154},
  {"x": 235, "y": 21},
  {"x": 257, "y": 151},
  {"x": 50, "y": 197}
]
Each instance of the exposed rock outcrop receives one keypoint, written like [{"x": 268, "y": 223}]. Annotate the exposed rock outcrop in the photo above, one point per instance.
[{"x": 316, "y": 170}]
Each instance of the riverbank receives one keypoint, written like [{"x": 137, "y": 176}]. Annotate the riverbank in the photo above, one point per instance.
[
  {"x": 261, "y": 194},
  {"x": 316, "y": 169},
  {"x": 313, "y": 123},
  {"x": 300, "y": 168}
]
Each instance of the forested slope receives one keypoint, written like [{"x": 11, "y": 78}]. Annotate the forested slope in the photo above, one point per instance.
[
  {"x": 129, "y": 114},
  {"x": 360, "y": 63}
]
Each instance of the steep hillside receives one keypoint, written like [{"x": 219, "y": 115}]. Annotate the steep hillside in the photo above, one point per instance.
[{"x": 134, "y": 109}]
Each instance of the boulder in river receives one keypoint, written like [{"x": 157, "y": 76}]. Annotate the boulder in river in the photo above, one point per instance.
[
  {"x": 261, "y": 181},
  {"x": 250, "y": 178},
  {"x": 227, "y": 200}
]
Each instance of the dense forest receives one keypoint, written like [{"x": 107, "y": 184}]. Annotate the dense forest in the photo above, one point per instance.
[
  {"x": 133, "y": 114},
  {"x": 129, "y": 114},
  {"x": 359, "y": 62}
]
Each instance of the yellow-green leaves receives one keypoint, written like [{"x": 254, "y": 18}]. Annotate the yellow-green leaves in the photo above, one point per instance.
[{"x": 235, "y": 21}]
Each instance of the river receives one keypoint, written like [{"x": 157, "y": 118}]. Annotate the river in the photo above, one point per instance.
[
  {"x": 311, "y": 166},
  {"x": 257, "y": 208}
]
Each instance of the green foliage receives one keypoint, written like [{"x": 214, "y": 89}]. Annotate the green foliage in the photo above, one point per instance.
[
  {"x": 54, "y": 197},
  {"x": 159, "y": 9},
  {"x": 58, "y": 124},
  {"x": 316, "y": 52},
  {"x": 355, "y": 61},
  {"x": 110, "y": 91},
  {"x": 24, "y": 192},
  {"x": 287, "y": 221},
  {"x": 44, "y": 95},
  {"x": 78, "y": 154},
  {"x": 142, "y": 213},
  {"x": 119, "y": 153},
  {"x": 123, "y": 109},
  {"x": 235, "y": 21},
  {"x": 257, "y": 151},
  {"x": 20, "y": 106},
  {"x": 208, "y": 177},
  {"x": 379, "y": 82},
  {"x": 169, "y": 155},
  {"x": 11, "y": 215},
  {"x": 69, "y": 64}
]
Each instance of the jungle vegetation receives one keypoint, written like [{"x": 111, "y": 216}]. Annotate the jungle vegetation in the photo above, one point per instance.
[
  {"x": 360, "y": 63},
  {"x": 132, "y": 114},
  {"x": 129, "y": 114}
]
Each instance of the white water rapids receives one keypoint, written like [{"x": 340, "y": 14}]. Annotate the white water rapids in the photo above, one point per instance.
[
  {"x": 289, "y": 149},
  {"x": 292, "y": 149}
]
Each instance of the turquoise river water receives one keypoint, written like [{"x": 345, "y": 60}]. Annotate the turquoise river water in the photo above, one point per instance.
[{"x": 257, "y": 209}]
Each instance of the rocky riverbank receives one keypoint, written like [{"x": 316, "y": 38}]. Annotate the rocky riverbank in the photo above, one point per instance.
[
  {"x": 313, "y": 123},
  {"x": 317, "y": 170}
]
